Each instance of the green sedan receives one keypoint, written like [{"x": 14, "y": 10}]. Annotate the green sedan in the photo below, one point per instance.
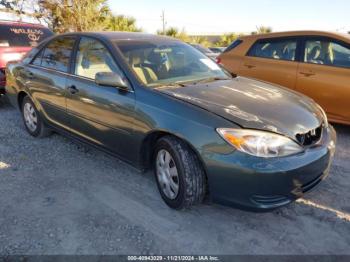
[{"x": 159, "y": 103}]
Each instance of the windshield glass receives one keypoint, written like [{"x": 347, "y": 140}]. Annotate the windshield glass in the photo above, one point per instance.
[
  {"x": 202, "y": 48},
  {"x": 168, "y": 63},
  {"x": 17, "y": 35}
]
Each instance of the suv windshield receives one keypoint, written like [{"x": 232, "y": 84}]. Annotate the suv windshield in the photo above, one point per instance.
[
  {"x": 18, "y": 35},
  {"x": 169, "y": 63}
]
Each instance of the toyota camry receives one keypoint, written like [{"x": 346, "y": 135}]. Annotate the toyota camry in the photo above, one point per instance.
[{"x": 160, "y": 104}]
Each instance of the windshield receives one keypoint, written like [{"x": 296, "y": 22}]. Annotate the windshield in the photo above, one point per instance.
[
  {"x": 16, "y": 35},
  {"x": 169, "y": 63},
  {"x": 202, "y": 48}
]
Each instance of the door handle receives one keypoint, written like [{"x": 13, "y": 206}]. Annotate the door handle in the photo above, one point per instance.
[
  {"x": 249, "y": 66},
  {"x": 72, "y": 89},
  {"x": 29, "y": 74},
  {"x": 307, "y": 74}
]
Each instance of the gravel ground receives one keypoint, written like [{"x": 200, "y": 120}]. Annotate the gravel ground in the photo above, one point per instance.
[{"x": 59, "y": 197}]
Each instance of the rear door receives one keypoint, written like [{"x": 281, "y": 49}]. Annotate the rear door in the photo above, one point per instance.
[
  {"x": 324, "y": 75},
  {"x": 273, "y": 60},
  {"x": 103, "y": 115},
  {"x": 46, "y": 78}
]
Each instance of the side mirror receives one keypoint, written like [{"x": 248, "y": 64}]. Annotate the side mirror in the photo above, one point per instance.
[{"x": 110, "y": 79}]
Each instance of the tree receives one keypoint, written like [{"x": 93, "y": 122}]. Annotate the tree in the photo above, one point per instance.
[
  {"x": 174, "y": 32},
  {"x": 75, "y": 15},
  {"x": 122, "y": 23},
  {"x": 202, "y": 40},
  {"x": 71, "y": 15},
  {"x": 20, "y": 8},
  {"x": 227, "y": 39},
  {"x": 262, "y": 30}
]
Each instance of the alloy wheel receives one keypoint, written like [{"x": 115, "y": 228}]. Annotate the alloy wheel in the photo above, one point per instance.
[
  {"x": 30, "y": 117},
  {"x": 167, "y": 174}
]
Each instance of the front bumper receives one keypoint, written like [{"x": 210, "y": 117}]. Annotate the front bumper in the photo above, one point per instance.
[{"x": 262, "y": 184}]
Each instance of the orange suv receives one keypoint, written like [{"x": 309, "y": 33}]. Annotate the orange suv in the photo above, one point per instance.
[{"x": 314, "y": 63}]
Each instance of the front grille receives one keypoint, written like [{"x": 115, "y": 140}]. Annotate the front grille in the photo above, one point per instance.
[{"x": 310, "y": 138}]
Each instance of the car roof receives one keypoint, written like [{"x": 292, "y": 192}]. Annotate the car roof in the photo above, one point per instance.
[
  {"x": 18, "y": 23},
  {"x": 345, "y": 37},
  {"x": 116, "y": 36}
]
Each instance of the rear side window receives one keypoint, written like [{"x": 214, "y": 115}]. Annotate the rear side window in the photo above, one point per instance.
[
  {"x": 233, "y": 45},
  {"x": 278, "y": 49},
  {"x": 327, "y": 52},
  {"x": 56, "y": 55},
  {"x": 16, "y": 35}
]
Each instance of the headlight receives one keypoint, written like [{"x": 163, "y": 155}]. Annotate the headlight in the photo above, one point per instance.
[
  {"x": 259, "y": 143},
  {"x": 325, "y": 119}
]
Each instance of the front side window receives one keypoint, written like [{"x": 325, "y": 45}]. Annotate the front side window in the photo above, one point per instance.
[
  {"x": 284, "y": 49},
  {"x": 57, "y": 54},
  {"x": 37, "y": 60},
  {"x": 158, "y": 63},
  {"x": 92, "y": 58},
  {"x": 324, "y": 52}
]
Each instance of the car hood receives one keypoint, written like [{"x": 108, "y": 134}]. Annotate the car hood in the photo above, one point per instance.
[{"x": 253, "y": 104}]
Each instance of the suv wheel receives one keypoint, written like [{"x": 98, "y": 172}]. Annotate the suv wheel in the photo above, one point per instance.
[
  {"x": 180, "y": 176},
  {"x": 32, "y": 120}
]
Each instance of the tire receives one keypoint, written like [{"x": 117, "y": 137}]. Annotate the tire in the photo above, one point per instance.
[
  {"x": 34, "y": 123},
  {"x": 191, "y": 179}
]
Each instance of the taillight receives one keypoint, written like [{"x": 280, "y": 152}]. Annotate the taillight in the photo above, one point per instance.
[
  {"x": 12, "y": 56},
  {"x": 218, "y": 60}
]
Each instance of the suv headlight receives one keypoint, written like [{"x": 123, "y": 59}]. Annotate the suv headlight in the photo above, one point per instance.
[{"x": 260, "y": 143}]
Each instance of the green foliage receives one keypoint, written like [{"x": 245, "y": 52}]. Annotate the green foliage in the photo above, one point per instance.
[
  {"x": 202, "y": 40},
  {"x": 71, "y": 15},
  {"x": 175, "y": 33},
  {"x": 227, "y": 39},
  {"x": 75, "y": 15},
  {"x": 262, "y": 30},
  {"x": 122, "y": 23}
]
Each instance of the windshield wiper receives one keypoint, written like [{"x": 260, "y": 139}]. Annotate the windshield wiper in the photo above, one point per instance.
[
  {"x": 210, "y": 79},
  {"x": 174, "y": 84},
  {"x": 192, "y": 82}
]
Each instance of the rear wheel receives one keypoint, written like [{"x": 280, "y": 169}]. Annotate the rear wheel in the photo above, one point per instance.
[
  {"x": 180, "y": 176},
  {"x": 32, "y": 120}
]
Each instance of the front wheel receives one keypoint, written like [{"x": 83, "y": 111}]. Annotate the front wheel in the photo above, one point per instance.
[
  {"x": 180, "y": 176},
  {"x": 32, "y": 120}
]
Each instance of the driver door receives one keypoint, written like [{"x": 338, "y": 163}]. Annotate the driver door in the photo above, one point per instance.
[{"x": 102, "y": 115}]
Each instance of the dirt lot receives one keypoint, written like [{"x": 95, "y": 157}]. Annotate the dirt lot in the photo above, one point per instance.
[{"x": 58, "y": 197}]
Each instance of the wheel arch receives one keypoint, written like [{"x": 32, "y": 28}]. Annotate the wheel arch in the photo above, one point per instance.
[
  {"x": 21, "y": 95},
  {"x": 149, "y": 142}
]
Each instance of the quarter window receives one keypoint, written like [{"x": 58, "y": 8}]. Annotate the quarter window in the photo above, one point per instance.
[
  {"x": 233, "y": 45},
  {"x": 284, "y": 49},
  {"x": 57, "y": 54},
  {"x": 92, "y": 58},
  {"x": 325, "y": 52}
]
